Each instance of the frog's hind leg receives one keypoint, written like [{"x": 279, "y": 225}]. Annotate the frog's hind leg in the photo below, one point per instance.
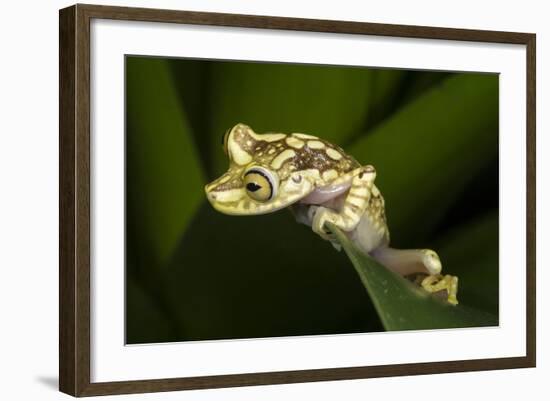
[
  {"x": 411, "y": 261},
  {"x": 408, "y": 261},
  {"x": 353, "y": 208}
]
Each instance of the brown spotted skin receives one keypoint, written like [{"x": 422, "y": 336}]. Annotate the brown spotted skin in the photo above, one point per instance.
[{"x": 305, "y": 157}]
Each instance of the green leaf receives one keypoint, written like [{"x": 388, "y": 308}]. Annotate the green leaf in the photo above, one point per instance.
[
  {"x": 145, "y": 320},
  {"x": 261, "y": 276},
  {"x": 332, "y": 103},
  {"x": 418, "y": 82},
  {"x": 385, "y": 88},
  {"x": 191, "y": 79},
  {"x": 164, "y": 177},
  {"x": 403, "y": 306},
  {"x": 429, "y": 150}
]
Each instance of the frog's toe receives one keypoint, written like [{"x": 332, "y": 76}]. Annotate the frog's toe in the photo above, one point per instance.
[
  {"x": 322, "y": 215},
  {"x": 437, "y": 282}
]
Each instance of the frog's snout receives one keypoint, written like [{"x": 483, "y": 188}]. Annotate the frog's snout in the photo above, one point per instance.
[{"x": 211, "y": 196}]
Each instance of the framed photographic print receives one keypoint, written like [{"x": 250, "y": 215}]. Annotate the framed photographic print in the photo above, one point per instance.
[{"x": 252, "y": 200}]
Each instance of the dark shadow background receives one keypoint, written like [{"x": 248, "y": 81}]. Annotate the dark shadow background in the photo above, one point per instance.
[{"x": 195, "y": 274}]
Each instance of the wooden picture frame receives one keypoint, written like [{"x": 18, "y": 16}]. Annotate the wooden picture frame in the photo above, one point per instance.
[{"x": 74, "y": 206}]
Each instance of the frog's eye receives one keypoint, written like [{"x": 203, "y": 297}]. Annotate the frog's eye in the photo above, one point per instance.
[
  {"x": 225, "y": 137},
  {"x": 260, "y": 184}
]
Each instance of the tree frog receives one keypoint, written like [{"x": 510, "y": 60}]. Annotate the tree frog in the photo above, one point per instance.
[{"x": 320, "y": 183}]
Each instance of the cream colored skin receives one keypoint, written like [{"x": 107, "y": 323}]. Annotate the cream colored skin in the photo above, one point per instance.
[{"x": 320, "y": 183}]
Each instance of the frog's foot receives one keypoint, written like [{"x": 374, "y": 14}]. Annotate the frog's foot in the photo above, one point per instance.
[
  {"x": 437, "y": 282},
  {"x": 419, "y": 261}
]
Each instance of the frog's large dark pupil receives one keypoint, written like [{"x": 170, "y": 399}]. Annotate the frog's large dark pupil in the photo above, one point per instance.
[{"x": 252, "y": 186}]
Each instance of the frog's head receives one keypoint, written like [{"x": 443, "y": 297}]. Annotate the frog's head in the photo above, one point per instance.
[{"x": 264, "y": 173}]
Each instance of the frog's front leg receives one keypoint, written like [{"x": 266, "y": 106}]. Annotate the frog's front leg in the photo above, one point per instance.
[
  {"x": 354, "y": 206},
  {"x": 411, "y": 261}
]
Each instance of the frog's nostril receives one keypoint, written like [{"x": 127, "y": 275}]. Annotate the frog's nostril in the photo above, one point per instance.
[{"x": 212, "y": 196}]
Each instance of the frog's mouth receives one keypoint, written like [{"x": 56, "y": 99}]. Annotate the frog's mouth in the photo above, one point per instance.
[
  {"x": 226, "y": 200},
  {"x": 237, "y": 203}
]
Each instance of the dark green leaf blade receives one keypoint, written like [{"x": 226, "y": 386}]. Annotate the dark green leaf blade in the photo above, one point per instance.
[
  {"x": 428, "y": 151},
  {"x": 145, "y": 321},
  {"x": 249, "y": 283},
  {"x": 332, "y": 103},
  {"x": 164, "y": 174},
  {"x": 401, "y": 305}
]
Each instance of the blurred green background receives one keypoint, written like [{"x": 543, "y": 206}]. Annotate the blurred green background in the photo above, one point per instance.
[{"x": 195, "y": 274}]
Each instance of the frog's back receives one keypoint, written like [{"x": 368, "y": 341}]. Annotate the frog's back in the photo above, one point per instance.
[
  {"x": 316, "y": 153},
  {"x": 301, "y": 152}
]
